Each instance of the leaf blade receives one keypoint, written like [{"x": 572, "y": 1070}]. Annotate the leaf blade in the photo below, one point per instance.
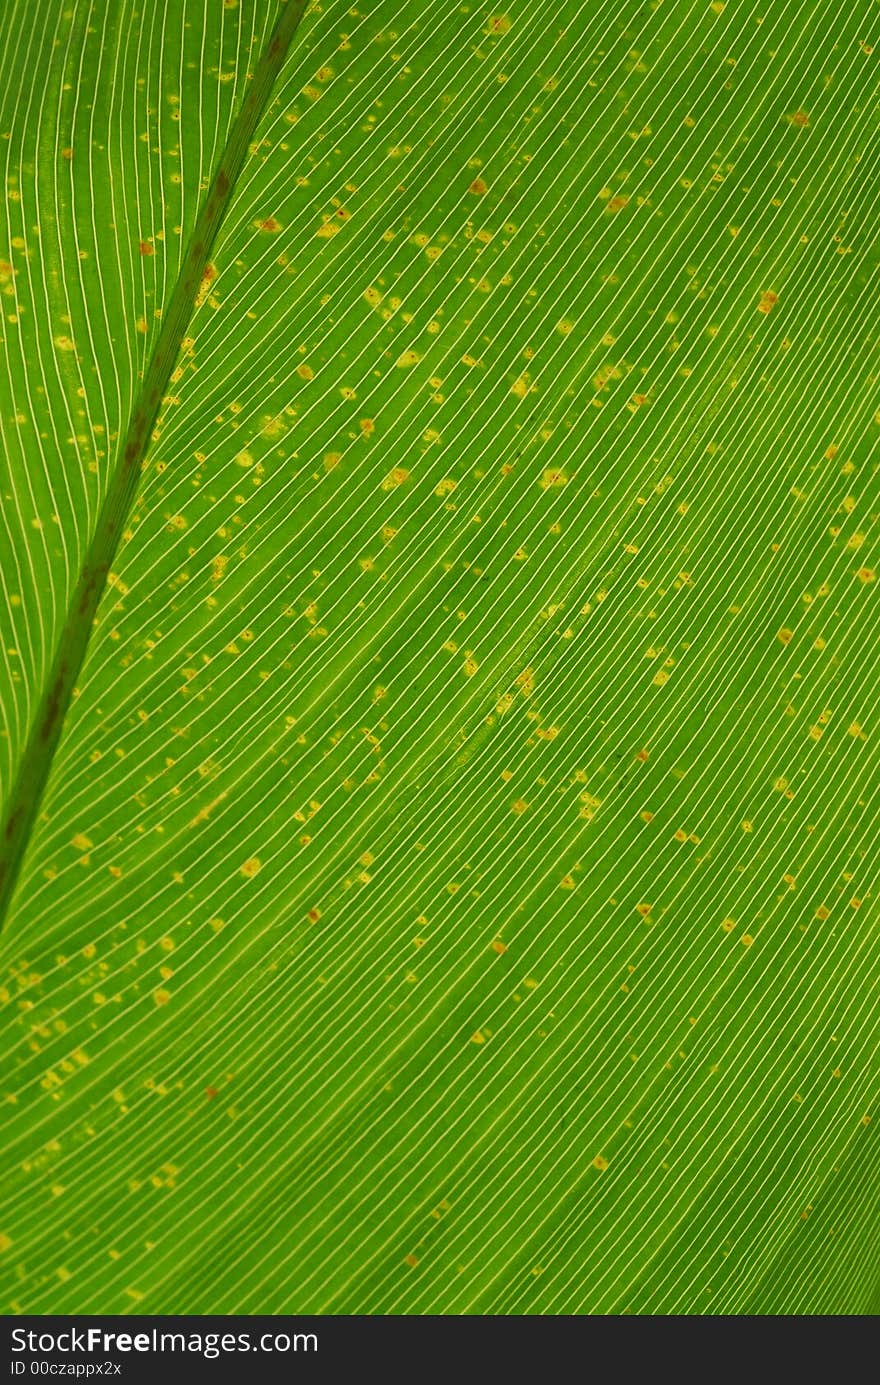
[
  {"x": 352, "y": 1072},
  {"x": 36, "y": 761}
]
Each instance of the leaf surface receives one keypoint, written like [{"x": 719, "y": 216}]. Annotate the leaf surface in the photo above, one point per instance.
[{"x": 453, "y": 887}]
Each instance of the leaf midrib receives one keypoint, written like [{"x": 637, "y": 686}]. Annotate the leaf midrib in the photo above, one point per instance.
[{"x": 54, "y": 702}]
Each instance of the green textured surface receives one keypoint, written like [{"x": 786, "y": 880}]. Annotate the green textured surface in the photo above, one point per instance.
[{"x": 454, "y": 889}]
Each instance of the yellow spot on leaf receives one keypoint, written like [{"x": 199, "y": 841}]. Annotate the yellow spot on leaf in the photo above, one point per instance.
[
  {"x": 552, "y": 478},
  {"x": 398, "y": 477},
  {"x": 525, "y": 681}
]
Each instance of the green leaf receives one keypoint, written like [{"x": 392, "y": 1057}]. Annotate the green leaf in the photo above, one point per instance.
[{"x": 439, "y": 667}]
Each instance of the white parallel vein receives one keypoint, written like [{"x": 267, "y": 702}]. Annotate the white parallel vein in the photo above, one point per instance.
[
  {"x": 59, "y": 686},
  {"x": 460, "y": 850},
  {"x": 168, "y": 438}
]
